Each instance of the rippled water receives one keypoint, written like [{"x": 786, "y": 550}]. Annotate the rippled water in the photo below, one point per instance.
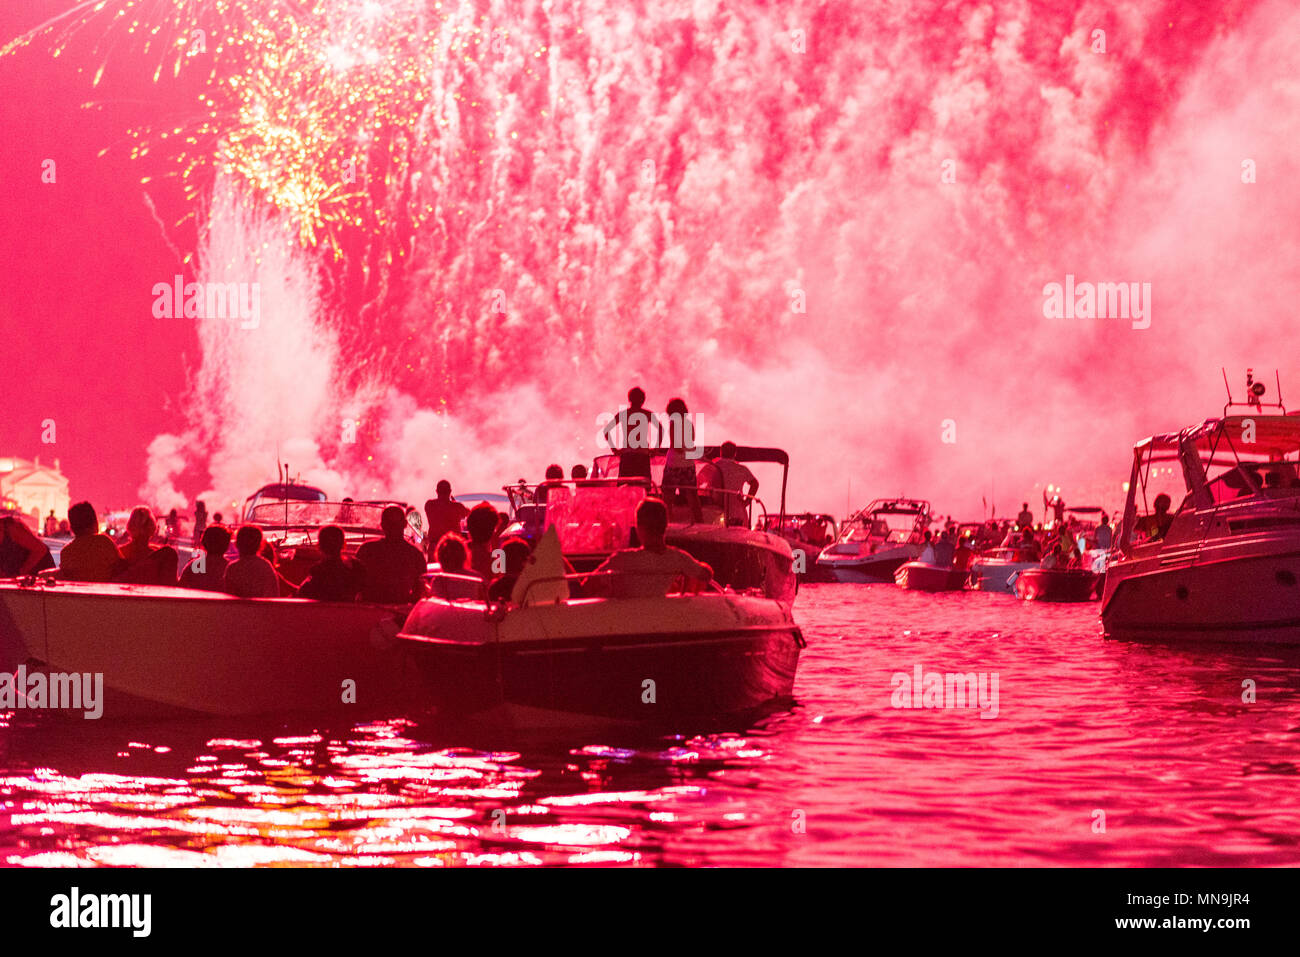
[{"x": 1154, "y": 743}]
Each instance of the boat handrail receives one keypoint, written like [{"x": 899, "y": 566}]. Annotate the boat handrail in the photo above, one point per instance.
[{"x": 499, "y": 605}]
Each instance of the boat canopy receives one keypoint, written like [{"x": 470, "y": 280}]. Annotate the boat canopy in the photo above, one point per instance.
[{"x": 1273, "y": 436}]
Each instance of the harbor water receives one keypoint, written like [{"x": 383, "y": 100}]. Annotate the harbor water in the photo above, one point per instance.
[{"x": 1071, "y": 750}]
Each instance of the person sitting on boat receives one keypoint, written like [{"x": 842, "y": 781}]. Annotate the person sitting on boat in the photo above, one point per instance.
[
  {"x": 452, "y": 554},
  {"x": 679, "y": 481},
  {"x": 634, "y": 427},
  {"x": 215, "y": 541},
  {"x": 944, "y": 549},
  {"x": 650, "y": 570},
  {"x": 578, "y": 473},
  {"x": 251, "y": 575},
  {"x": 482, "y": 527},
  {"x": 1028, "y": 545},
  {"x": 738, "y": 485},
  {"x": 964, "y": 555},
  {"x": 146, "y": 564},
  {"x": 392, "y": 569},
  {"x": 333, "y": 578},
  {"x": 515, "y": 551},
  {"x": 1156, "y": 525},
  {"x": 554, "y": 482},
  {"x": 927, "y": 549},
  {"x": 813, "y": 530},
  {"x": 444, "y": 515},
  {"x": 21, "y": 552},
  {"x": 90, "y": 556},
  {"x": 1026, "y": 518}
]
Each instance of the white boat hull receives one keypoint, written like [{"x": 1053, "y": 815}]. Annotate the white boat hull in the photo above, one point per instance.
[
  {"x": 163, "y": 649},
  {"x": 638, "y": 660}
]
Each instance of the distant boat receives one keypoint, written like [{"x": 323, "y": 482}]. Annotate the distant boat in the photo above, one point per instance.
[
  {"x": 1057, "y": 584},
  {"x": 919, "y": 576},
  {"x": 877, "y": 540}
]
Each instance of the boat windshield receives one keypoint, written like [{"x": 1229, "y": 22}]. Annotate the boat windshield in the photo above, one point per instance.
[
  {"x": 348, "y": 515},
  {"x": 589, "y": 517},
  {"x": 886, "y": 527}
]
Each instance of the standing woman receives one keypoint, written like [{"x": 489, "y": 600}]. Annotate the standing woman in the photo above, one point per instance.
[{"x": 679, "y": 468}]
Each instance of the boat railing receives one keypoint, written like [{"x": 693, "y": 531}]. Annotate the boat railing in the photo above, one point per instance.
[{"x": 496, "y": 608}]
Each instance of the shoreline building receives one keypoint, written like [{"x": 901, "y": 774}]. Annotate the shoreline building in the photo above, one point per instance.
[{"x": 33, "y": 489}]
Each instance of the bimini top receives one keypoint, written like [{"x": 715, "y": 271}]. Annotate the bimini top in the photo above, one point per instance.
[{"x": 1273, "y": 436}]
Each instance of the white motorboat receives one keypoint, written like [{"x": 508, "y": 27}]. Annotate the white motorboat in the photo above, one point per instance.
[
  {"x": 1224, "y": 565},
  {"x": 168, "y": 650},
  {"x": 550, "y": 660},
  {"x": 878, "y": 540}
]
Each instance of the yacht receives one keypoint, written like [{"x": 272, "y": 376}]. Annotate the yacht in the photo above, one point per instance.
[{"x": 1221, "y": 561}]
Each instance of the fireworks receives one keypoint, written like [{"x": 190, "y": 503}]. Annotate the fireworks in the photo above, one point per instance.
[{"x": 318, "y": 108}]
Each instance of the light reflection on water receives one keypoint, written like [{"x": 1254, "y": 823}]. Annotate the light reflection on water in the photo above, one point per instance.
[{"x": 1157, "y": 739}]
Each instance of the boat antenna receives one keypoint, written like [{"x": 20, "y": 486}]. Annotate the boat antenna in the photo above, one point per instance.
[{"x": 1277, "y": 377}]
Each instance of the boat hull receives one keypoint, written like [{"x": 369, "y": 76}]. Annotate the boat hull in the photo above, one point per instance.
[
  {"x": 1058, "y": 584},
  {"x": 173, "y": 650},
  {"x": 1242, "y": 600},
  {"x": 642, "y": 661},
  {"x": 997, "y": 576},
  {"x": 868, "y": 569},
  {"x": 916, "y": 576}
]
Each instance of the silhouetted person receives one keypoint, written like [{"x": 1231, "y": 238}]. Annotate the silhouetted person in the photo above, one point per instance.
[
  {"x": 392, "y": 568},
  {"x": 51, "y": 525},
  {"x": 21, "y": 552},
  {"x": 1026, "y": 518},
  {"x": 1057, "y": 505},
  {"x": 333, "y": 578},
  {"x": 200, "y": 520},
  {"x": 251, "y": 575},
  {"x": 554, "y": 480},
  {"x": 944, "y": 549},
  {"x": 738, "y": 485},
  {"x": 443, "y": 514},
  {"x": 927, "y": 549},
  {"x": 452, "y": 553},
  {"x": 215, "y": 542},
  {"x": 146, "y": 564},
  {"x": 651, "y": 570},
  {"x": 578, "y": 473},
  {"x": 1157, "y": 523},
  {"x": 482, "y": 528},
  {"x": 679, "y": 482},
  {"x": 1104, "y": 534},
  {"x": 637, "y": 432},
  {"x": 516, "y": 552},
  {"x": 90, "y": 556}
]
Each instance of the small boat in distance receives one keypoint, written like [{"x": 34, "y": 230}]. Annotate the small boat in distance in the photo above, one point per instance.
[
  {"x": 1057, "y": 584},
  {"x": 877, "y": 540},
  {"x": 1208, "y": 548}
]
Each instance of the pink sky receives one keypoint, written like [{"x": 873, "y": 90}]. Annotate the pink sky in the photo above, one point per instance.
[{"x": 770, "y": 172}]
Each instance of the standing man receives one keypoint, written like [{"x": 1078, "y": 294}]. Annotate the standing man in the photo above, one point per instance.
[
  {"x": 635, "y": 425},
  {"x": 738, "y": 484},
  {"x": 444, "y": 515}
]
